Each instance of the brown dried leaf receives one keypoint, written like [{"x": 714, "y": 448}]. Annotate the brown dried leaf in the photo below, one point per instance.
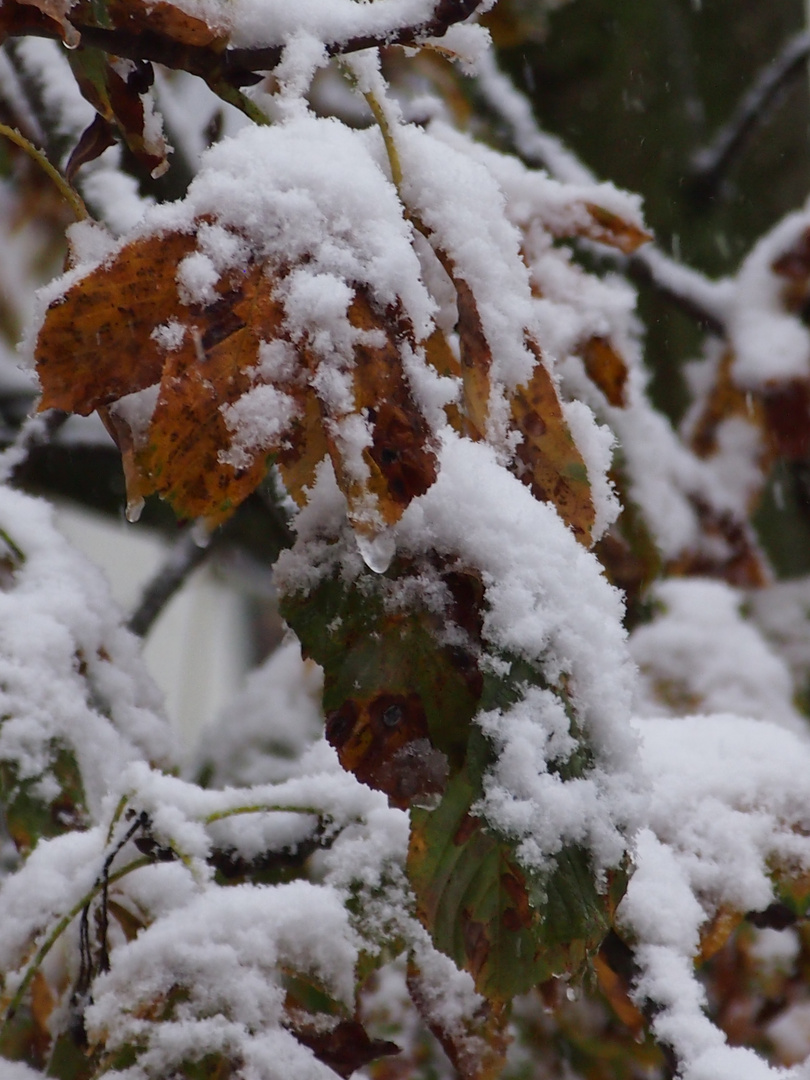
[
  {"x": 608, "y": 228},
  {"x": 605, "y": 367},
  {"x": 49, "y": 17},
  {"x": 93, "y": 142},
  {"x": 548, "y": 459},
  {"x": 401, "y": 461},
  {"x": 305, "y": 449},
  {"x": 725, "y": 400},
  {"x": 212, "y": 369},
  {"x": 160, "y": 19},
  {"x": 476, "y": 361},
  {"x": 475, "y": 1045},
  {"x": 95, "y": 345},
  {"x": 346, "y": 1047},
  {"x": 787, "y": 418},
  {"x": 717, "y": 931}
]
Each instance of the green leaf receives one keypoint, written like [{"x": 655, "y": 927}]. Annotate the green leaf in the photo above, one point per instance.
[
  {"x": 399, "y": 701},
  {"x": 509, "y": 929}
]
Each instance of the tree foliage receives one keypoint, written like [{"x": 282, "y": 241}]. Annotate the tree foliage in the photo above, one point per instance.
[{"x": 524, "y": 792}]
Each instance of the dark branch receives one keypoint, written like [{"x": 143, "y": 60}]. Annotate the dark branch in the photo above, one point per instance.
[
  {"x": 238, "y": 67},
  {"x": 184, "y": 557},
  {"x": 642, "y": 271},
  {"x": 709, "y": 166}
]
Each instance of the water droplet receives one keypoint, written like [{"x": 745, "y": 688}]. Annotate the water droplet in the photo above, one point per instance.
[
  {"x": 200, "y": 533},
  {"x": 72, "y": 38},
  {"x": 426, "y": 800},
  {"x": 378, "y": 551},
  {"x": 134, "y": 508},
  {"x": 572, "y": 993}
]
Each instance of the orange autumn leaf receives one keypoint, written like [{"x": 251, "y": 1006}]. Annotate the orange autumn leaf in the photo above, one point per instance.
[
  {"x": 186, "y": 452},
  {"x": 96, "y": 343},
  {"x": 400, "y": 460},
  {"x": 608, "y": 228},
  {"x": 606, "y": 368},
  {"x": 548, "y": 460},
  {"x": 125, "y": 328}
]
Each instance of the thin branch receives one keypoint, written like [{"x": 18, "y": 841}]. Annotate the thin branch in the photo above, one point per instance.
[
  {"x": 57, "y": 932},
  {"x": 185, "y": 556},
  {"x": 710, "y": 164},
  {"x": 37, "y": 430},
  {"x": 238, "y": 66},
  {"x": 703, "y": 299},
  {"x": 68, "y": 193}
]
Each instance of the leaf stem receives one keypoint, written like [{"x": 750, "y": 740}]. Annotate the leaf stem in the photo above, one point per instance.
[
  {"x": 259, "y": 808},
  {"x": 59, "y": 929},
  {"x": 69, "y": 193},
  {"x": 384, "y": 125}
]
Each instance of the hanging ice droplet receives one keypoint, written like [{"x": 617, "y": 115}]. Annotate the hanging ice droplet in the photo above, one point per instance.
[
  {"x": 378, "y": 551},
  {"x": 134, "y": 508},
  {"x": 72, "y": 39}
]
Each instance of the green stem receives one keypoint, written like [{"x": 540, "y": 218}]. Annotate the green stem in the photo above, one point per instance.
[
  {"x": 235, "y": 97},
  {"x": 57, "y": 932},
  {"x": 122, "y": 802},
  {"x": 381, "y": 119},
  {"x": 67, "y": 192},
  {"x": 218, "y": 815}
]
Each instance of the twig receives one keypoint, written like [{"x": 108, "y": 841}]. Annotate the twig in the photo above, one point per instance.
[
  {"x": 185, "y": 556},
  {"x": 709, "y": 165},
  {"x": 237, "y": 66},
  {"x": 37, "y": 430},
  {"x": 65, "y": 190},
  {"x": 57, "y": 932}
]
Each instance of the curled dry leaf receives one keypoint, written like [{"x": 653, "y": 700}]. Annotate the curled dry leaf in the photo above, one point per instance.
[{"x": 121, "y": 105}]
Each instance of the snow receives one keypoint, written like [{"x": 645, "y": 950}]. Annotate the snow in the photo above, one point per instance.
[{"x": 698, "y": 764}]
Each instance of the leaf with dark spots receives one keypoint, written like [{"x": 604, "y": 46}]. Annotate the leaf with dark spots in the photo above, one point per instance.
[
  {"x": 457, "y": 870},
  {"x": 398, "y": 701},
  {"x": 510, "y": 931},
  {"x": 385, "y": 743}
]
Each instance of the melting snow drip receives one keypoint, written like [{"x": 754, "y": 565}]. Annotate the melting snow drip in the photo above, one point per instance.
[{"x": 378, "y": 551}]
